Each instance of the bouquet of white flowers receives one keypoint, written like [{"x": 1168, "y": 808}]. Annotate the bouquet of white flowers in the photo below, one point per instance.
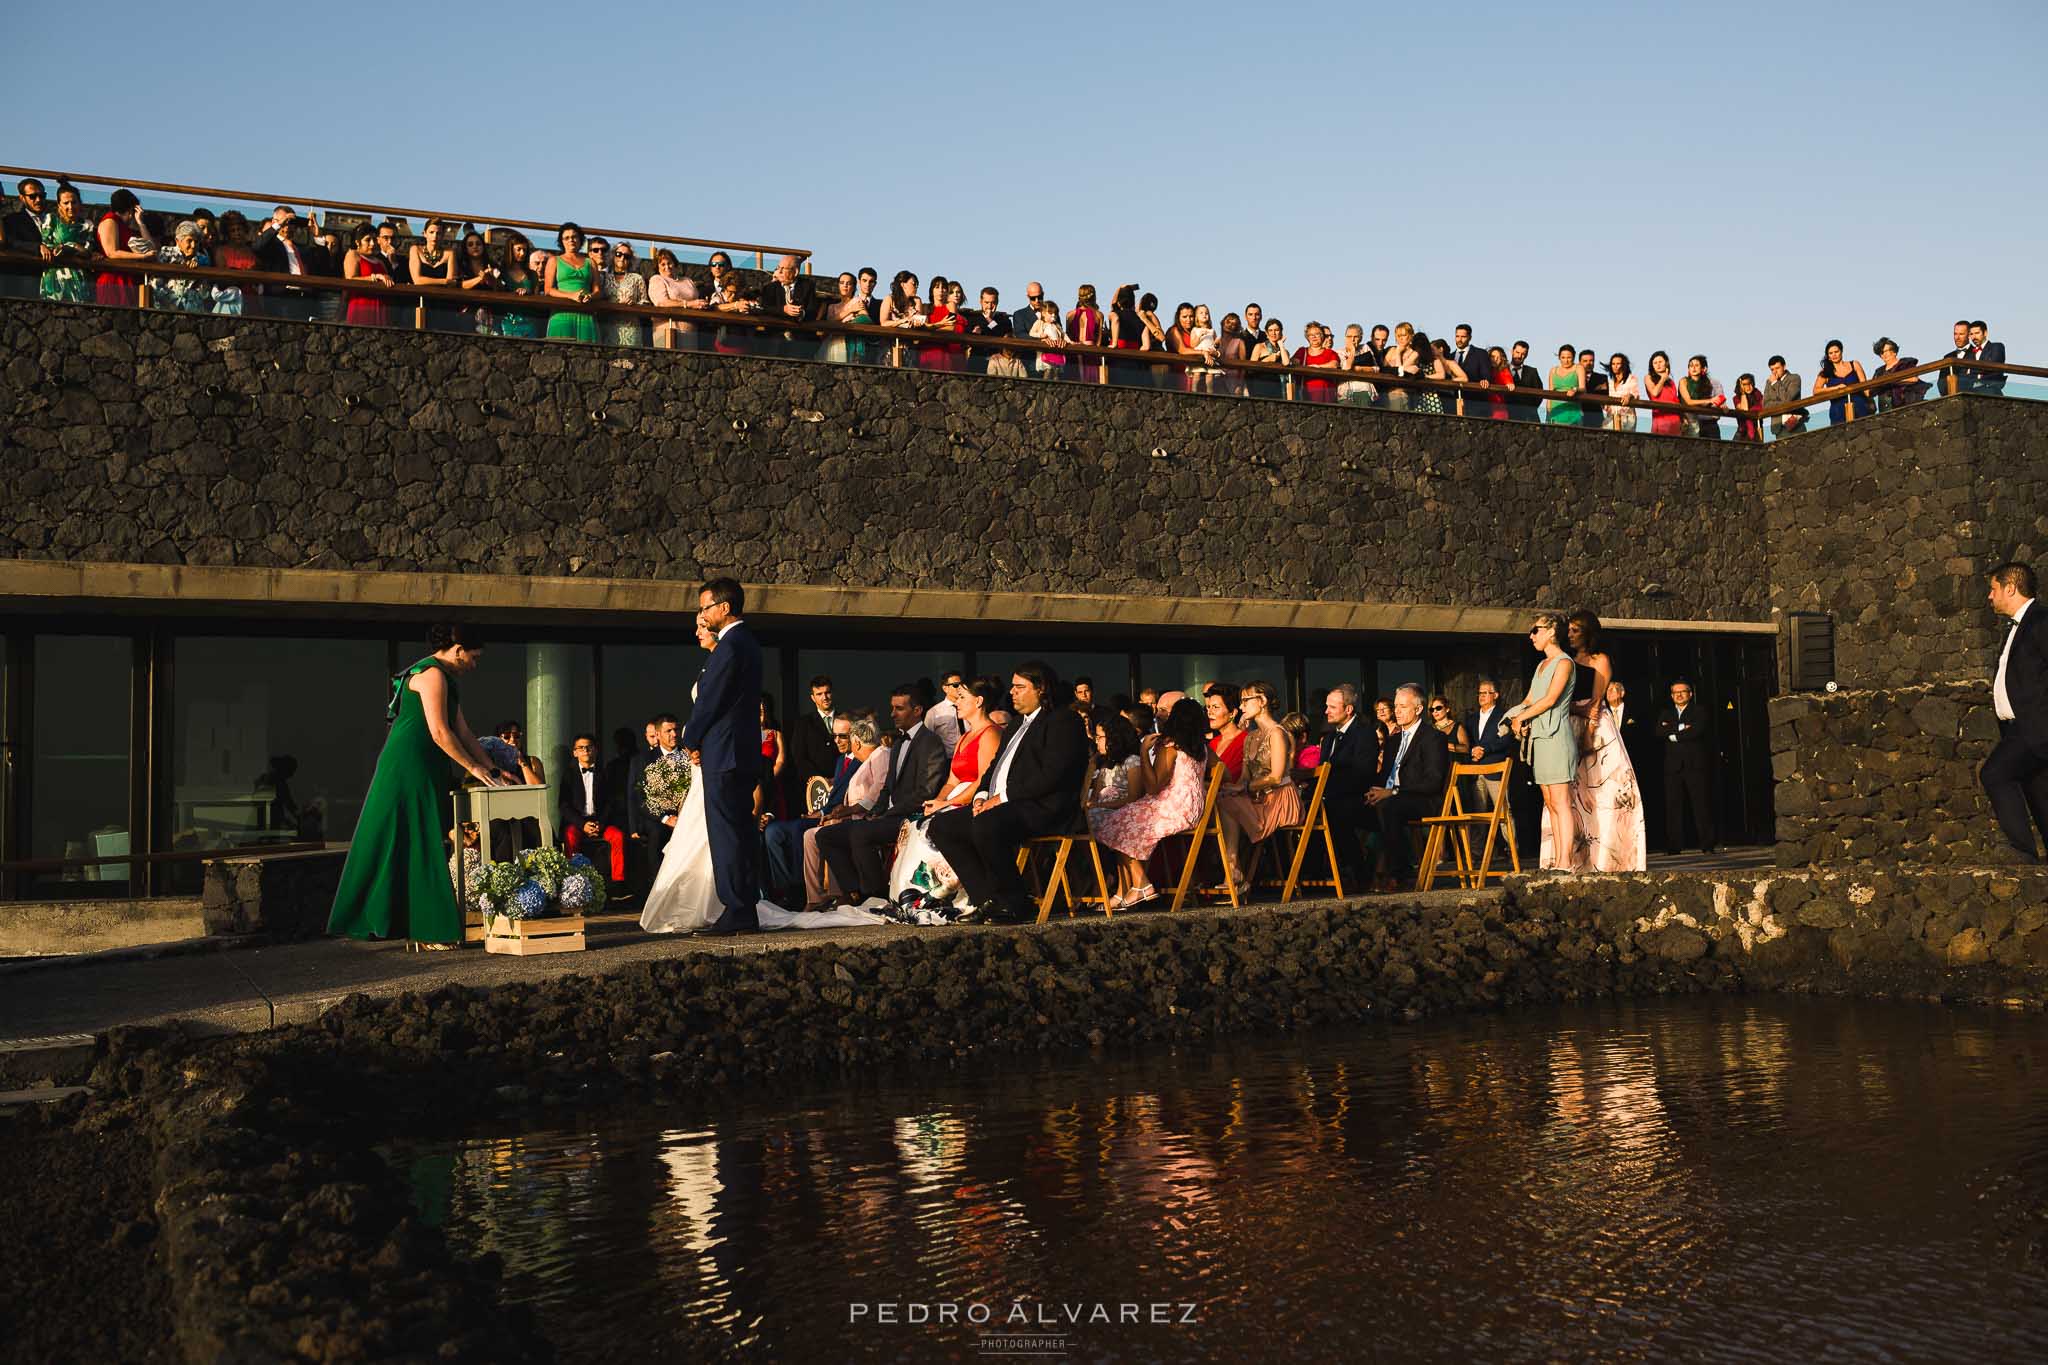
[{"x": 665, "y": 783}]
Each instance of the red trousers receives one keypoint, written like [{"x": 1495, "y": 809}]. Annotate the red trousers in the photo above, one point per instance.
[{"x": 573, "y": 838}]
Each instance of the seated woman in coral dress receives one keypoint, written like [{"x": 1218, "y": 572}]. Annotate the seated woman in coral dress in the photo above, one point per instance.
[
  {"x": 1268, "y": 799},
  {"x": 1168, "y": 787}
]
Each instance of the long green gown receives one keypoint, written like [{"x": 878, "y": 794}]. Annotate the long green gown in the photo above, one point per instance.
[
  {"x": 572, "y": 326},
  {"x": 395, "y": 883}
]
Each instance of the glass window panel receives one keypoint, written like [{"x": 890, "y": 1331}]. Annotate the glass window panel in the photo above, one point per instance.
[
  {"x": 863, "y": 677},
  {"x": 642, "y": 681},
  {"x": 78, "y": 760},
  {"x": 1318, "y": 676},
  {"x": 273, "y": 741},
  {"x": 1190, "y": 673},
  {"x": 1109, "y": 673},
  {"x": 1391, "y": 673}
]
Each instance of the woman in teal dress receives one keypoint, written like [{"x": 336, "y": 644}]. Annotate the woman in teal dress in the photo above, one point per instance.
[
  {"x": 515, "y": 278},
  {"x": 395, "y": 882},
  {"x": 1566, "y": 377},
  {"x": 67, "y": 244},
  {"x": 573, "y": 276},
  {"x": 1543, "y": 717}
]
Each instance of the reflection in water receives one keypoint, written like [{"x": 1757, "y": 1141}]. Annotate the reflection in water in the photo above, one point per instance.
[{"x": 1711, "y": 1178}]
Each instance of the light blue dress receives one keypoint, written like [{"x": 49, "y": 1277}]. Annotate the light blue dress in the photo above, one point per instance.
[{"x": 1553, "y": 747}]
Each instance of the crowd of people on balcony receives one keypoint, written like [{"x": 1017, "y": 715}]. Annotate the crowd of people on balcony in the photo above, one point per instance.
[{"x": 943, "y": 327}]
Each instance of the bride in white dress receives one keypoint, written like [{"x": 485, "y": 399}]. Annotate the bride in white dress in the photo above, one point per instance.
[{"x": 684, "y": 899}]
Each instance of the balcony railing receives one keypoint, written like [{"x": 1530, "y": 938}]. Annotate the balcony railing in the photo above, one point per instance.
[
  {"x": 523, "y": 317},
  {"x": 257, "y": 205}
]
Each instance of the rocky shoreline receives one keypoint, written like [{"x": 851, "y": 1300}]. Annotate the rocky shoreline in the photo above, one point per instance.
[{"x": 256, "y": 1222}]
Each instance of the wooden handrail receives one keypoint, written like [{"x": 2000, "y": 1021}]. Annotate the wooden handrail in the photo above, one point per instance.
[
  {"x": 392, "y": 211},
  {"x": 189, "y": 855},
  {"x": 401, "y": 295}
]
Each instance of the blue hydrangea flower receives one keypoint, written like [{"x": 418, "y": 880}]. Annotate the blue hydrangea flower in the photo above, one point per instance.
[
  {"x": 576, "y": 891},
  {"x": 527, "y": 900},
  {"x": 579, "y": 860}
]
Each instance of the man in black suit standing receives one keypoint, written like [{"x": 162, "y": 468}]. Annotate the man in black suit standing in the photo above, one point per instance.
[
  {"x": 812, "y": 750},
  {"x": 1032, "y": 788},
  {"x": 2015, "y": 776},
  {"x": 1982, "y": 347},
  {"x": 586, "y": 810},
  {"x": 1411, "y": 786},
  {"x": 1959, "y": 379},
  {"x": 1683, "y": 735},
  {"x": 1522, "y": 409},
  {"x": 723, "y": 739},
  {"x": 858, "y": 851},
  {"x": 646, "y": 828},
  {"x": 1022, "y": 320},
  {"x": 278, "y": 252},
  {"x": 1351, "y": 747},
  {"x": 1471, "y": 359},
  {"x": 22, "y": 230}
]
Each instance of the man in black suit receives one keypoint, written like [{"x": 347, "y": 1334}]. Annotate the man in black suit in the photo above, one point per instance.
[
  {"x": 1411, "y": 785},
  {"x": 1471, "y": 359},
  {"x": 858, "y": 851},
  {"x": 1683, "y": 735},
  {"x": 1022, "y": 320},
  {"x": 2015, "y": 776},
  {"x": 723, "y": 739},
  {"x": 988, "y": 321},
  {"x": 586, "y": 809},
  {"x": 22, "y": 230},
  {"x": 1524, "y": 409},
  {"x": 1492, "y": 741},
  {"x": 1032, "y": 788},
  {"x": 1351, "y": 747},
  {"x": 812, "y": 751},
  {"x": 279, "y": 251},
  {"x": 787, "y": 294},
  {"x": 643, "y": 826},
  {"x": 1983, "y": 348}
]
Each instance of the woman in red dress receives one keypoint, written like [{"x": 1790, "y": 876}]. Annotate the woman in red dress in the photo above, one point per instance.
[
  {"x": 119, "y": 227},
  {"x": 1501, "y": 374},
  {"x": 769, "y": 803},
  {"x": 1180, "y": 339},
  {"x": 1226, "y": 736},
  {"x": 940, "y": 316},
  {"x": 1661, "y": 387},
  {"x": 1318, "y": 352},
  {"x": 363, "y": 263}
]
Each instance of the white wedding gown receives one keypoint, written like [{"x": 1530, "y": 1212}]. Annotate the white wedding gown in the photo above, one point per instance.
[{"x": 685, "y": 895}]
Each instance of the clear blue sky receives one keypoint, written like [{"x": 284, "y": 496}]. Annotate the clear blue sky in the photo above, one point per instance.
[{"x": 1732, "y": 178}]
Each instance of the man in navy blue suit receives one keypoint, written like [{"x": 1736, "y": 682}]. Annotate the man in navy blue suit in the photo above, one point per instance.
[{"x": 723, "y": 739}]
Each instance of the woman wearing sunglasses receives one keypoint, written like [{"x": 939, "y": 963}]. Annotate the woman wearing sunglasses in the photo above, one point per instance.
[{"x": 1542, "y": 720}]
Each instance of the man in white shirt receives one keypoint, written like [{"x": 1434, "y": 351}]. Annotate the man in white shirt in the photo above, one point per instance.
[
  {"x": 1491, "y": 739},
  {"x": 1412, "y": 787},
  {"x": 944, "y": 719},
  {"x": 2015, "y": 776}
]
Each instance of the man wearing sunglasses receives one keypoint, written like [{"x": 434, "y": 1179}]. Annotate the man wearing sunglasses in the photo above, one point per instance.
[{"x": 22, "y": 229}]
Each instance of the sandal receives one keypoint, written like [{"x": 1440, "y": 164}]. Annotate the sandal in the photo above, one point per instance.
[{"x": 1139, "y": 896}]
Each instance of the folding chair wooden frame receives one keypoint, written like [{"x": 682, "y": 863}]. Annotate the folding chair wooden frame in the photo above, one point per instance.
[
  {"x": 1315, "y": 820},
  {"x": 1210, "y": 821},
  {"x": 1454, "y": 819},
  {"x": 1056, "y": 882}
]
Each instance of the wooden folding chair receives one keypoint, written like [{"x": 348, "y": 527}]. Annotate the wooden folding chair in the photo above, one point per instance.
[
  {"x": 1456, "y": 820},
  {"x": 1056, "y": 882},
  {"x": 1314, "y": 821},
  {"x": 1209, "y": 822}
]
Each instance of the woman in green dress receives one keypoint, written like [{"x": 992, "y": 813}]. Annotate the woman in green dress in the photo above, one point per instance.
[
  {"x": 1566, "y": 377},
  {"x": 395, "y": 882},
  {"x": 67, "y": 244},
  {"x": 573, "y": 276},
  {"x": 1543, "y": 716}
]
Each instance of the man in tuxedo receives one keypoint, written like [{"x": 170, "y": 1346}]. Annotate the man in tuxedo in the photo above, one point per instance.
[
  {"x": 1411, "y": 786},
  {"x": 1491, "y": 742},
  {"x": 1960, "y": 380},
  {"x": 723, "y": 739},
  {"x": 1032, "y": 788},
  {"x": 810, "y": 734},
  {"x": 1351, "y": 747},
  {"x": 2015, "y": 776},
  {"x": 1682, "y": 734},
  {"x": 1022, "y": 320},
  {"x": 585, "y": 808},
  {"x": 784, "y": 839},
  {"x": 1524, "y": 409},
  {"x": 278, "y": 252},
  {"x": 858, "y": 851},
  {"x": 1982, "y": 347}
]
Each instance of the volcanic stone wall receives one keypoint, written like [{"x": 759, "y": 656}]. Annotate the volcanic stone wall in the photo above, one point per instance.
[
  {"x": 1885, "y": 776},
  {"x": 151, "y": 437},
  {"x": 1892, "y": 524}
]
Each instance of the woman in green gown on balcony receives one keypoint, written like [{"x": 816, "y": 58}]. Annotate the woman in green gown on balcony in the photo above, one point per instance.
[
  {"x": 571, "y": 275},
  {"x": 395, "y": 882}
]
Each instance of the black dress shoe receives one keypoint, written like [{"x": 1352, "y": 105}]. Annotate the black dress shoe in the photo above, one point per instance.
[{"x": 1004, "y": 914}]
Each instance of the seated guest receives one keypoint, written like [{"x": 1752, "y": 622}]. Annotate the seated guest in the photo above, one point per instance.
[
  {"x": 919, "y": 867},
  {"x": 1267, "y": 798},
  {"x": 587, "y": 810},
  {"x": 863, "y": 794},
  {"x": 1113, "y": 780},
  {"x": 1165, "y": 793},
  {"x": 1227, "y": 741},
  {"x": 782, "y": 879},
  {"x": 1412, "y": 785},
  {"x": 1351, "y": 747},
  {"x": 858, "y": 851},
  {"x": 1033, "y": 788},
  {"x": 1308, "y": 755}
]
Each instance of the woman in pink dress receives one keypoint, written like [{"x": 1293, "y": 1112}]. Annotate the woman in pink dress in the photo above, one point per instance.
[
  {"x": 1606, "y": 803},
  {"x": 1169, "y": 782},
  {"x": 1084, "y": 328}
]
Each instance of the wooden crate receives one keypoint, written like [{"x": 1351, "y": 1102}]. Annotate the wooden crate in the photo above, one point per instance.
[
  {"x": 528, "y": 937},
  {"x": 473, "y": 926}
]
